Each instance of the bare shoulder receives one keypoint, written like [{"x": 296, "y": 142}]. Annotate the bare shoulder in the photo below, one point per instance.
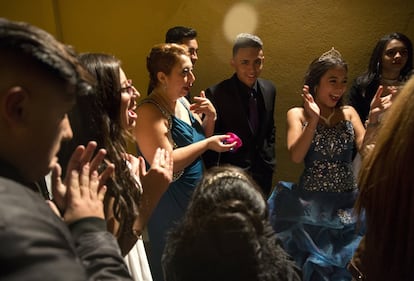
[
  {"x": 349, "y": 112},
  {"x": 151, "y": 119},
  {"x": 296, "y": 113},
  {"x": 149, "y": 110}
]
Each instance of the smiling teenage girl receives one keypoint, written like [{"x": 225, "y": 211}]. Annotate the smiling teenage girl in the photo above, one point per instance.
[{"x": 314, "y": 217}]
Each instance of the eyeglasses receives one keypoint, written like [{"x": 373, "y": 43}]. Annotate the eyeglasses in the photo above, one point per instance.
[{"x": 129, "y": 88}]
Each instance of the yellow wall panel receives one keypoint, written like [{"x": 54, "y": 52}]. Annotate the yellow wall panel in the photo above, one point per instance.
[{"x": 294, "y": 32}]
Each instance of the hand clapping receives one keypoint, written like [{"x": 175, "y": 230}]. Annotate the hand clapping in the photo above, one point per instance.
[{"x": 82, "y": 191}]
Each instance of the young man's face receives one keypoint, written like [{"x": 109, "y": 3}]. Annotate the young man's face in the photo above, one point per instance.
[
  {"x": 248, "y": 64},
  {"x": 47, "y": 125},
  {"x": 192, "y": 45}
]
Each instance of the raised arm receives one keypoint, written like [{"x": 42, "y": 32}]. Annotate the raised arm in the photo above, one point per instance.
[
  {"x": 152, "y": 131},
  {"x": 379, "y": 105},
  {"x": 82, "y": 193},
  {"x": 301, "y": 126},
  {"x": 203, "y": 106},
  {"x": 154, "y": 183}
]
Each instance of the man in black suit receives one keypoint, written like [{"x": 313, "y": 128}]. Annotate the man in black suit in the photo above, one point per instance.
[
  {"x": 67, "y": 239},
  {"x": 245, "y": 106}
]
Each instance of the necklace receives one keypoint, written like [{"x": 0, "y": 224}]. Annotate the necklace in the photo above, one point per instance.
[
  {"x": 163, "y": 102},
  {"x": 328, "y": 120}
]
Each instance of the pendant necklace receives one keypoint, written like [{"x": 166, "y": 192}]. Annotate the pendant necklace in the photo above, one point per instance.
[{"x": 328, "y": 120}]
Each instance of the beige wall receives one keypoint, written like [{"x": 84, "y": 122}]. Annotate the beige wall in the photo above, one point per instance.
[{"x": 294, "y": 32}]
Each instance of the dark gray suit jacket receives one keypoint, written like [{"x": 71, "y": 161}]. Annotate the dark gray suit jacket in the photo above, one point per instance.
[
  {"x": 257, "y": 155},
  {"x": 37, "y": 245}
]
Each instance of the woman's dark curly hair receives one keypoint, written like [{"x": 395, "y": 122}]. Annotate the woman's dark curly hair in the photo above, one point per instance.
[{"x": 225, "y": 234}]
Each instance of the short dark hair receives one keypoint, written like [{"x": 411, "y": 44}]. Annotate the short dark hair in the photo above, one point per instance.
[
  {"x": 246, "y": 40},
  {"x": 177, "y": 34},
  {"x": 21, "y": 39}
]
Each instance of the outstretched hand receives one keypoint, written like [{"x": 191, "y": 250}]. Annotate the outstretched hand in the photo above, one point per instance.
[
  {"x": 160, "y": 173},
  {"x": 219, "y": 143},
  {"x": 78, "y": 176}
]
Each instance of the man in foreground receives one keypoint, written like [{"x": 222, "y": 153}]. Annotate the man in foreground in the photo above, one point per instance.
[{"x": 39, "y": 81}]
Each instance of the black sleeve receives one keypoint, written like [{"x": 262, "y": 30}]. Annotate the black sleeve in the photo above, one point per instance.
[
  {"x": 269, "y": 144},
  {"x": 357, "y": 101}
]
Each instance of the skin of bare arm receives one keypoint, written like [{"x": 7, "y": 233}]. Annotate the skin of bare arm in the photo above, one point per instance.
[
  {"x": 152, "y": 133},
  {"x": 154, "y": 183},
  {"x": 203, "y": 106},
  {"x": 299, "y": 136}
]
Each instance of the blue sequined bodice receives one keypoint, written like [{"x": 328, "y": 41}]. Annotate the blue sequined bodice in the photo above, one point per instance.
[{"x": 328, "y": 163}]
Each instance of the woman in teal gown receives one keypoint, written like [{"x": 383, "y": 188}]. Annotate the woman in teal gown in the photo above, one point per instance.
[{"x": 167, "y": 120}]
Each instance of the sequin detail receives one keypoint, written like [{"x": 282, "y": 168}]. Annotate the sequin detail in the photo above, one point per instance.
[
  {"x": 345, "y": 216},
  {"x": 328, "y": 166}
]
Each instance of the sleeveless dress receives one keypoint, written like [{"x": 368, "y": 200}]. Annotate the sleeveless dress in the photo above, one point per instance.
[
  {"x": 174, "y": 202},
  {"x": 314, "y": 218}
]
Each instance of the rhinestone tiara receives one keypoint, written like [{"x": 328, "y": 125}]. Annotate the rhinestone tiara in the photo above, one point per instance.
[{"x": 331, "y": 54}]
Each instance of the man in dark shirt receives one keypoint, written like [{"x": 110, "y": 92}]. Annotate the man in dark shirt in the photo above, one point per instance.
[
  {"x": 245, "y": 106},
  {"x": 67, "y": 239}
]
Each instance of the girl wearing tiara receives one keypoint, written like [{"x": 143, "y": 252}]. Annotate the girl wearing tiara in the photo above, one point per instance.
[{"x": 314, "y": 218}]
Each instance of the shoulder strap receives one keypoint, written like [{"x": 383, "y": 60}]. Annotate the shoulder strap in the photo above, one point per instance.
[
  {"x": 176, "y": 175},
  {"x": 162, "y": 109}
]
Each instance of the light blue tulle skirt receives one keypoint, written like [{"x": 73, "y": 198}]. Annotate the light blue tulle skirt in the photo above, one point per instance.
[{"x": 318, "y": 229}]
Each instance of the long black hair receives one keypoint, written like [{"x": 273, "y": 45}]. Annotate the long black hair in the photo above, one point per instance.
[
  {"x": 371, "y": 78},
  {"x": 97, "y": 117}
]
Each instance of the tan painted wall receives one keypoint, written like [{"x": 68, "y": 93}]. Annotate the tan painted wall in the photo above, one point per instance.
[{"x": 294, "y": 32}]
